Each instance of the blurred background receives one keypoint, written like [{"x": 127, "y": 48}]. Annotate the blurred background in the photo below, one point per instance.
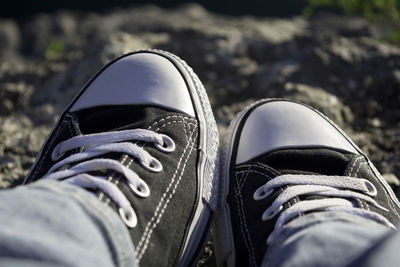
[
  {"x": 25, "y": 8},
  {"x": 340, "y": 56}
]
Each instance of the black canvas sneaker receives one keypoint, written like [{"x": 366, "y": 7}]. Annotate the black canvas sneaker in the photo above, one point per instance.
[
  {"x": 141, "y": 135},
  {"x": 282, "y": 160}
]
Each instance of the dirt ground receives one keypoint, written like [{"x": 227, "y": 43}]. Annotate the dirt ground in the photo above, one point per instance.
[{"x": 336, "y": 64}]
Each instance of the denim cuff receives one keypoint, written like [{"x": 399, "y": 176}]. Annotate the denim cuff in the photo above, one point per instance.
[{"x": 104, "y": 217}]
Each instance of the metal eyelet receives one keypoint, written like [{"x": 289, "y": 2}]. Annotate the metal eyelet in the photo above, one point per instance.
[
  {"x": 128, "y": 217},
  {"x": 140, "y": 189},
  {"x": 370, "y": 187},
  {"x": 269, "y": 213},
  {"x": 168, "y": 144},
  {"x": 261, "y": 194},
  {"x": 56, "y": 155},
  {"x": 154, "y": 165}
]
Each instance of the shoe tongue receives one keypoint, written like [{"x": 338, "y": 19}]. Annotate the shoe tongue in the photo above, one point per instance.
[
  {"x": 109, "y": 118},
  {"x": 307, "y": 161},
  {"x": 314, "y": 161},
  {"x": 112, "y": 118}
]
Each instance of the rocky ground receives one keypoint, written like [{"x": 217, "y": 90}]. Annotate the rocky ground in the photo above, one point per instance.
[{"x": 336, "y": 64}]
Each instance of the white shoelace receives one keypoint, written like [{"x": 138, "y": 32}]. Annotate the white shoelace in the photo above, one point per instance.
[
  {"x": 337, "y": 190},
  {"x": 94, "y": 145}
]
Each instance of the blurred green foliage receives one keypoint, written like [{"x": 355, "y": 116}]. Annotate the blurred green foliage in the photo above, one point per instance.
[
  {"x": 377, "y": 11},
  {"x": 55, "y": 49}
]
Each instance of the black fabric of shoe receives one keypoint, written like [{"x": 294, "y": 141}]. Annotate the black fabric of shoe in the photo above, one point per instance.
[
  {"x": 174, "y": 220},
  {"x": 184, "y": 131},
  {"x": 253, "y": 174},
  {"x": 242, "y": 215}
]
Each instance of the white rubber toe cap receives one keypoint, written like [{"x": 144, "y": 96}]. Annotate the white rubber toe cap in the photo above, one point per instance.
[
  {"x": 283, "y": 124},
  {"x": 141, "y": 78}
]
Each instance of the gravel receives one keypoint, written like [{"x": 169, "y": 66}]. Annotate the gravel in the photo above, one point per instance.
[{"x": 333, "y": 63}]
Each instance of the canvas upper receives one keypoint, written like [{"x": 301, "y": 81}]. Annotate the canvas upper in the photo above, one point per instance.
[
  {"x": 141, "y": 136},
  {"x": 282, "y": 160}
]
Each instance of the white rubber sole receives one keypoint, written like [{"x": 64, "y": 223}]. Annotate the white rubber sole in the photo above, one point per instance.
[
  {"x": 208, "y": 173},
  {"x": 223, "y": 236}
]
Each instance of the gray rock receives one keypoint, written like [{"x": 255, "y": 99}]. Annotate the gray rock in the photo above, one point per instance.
[
  {"x": 9, "y": 38},
  {"x": 391, "y": 179}
]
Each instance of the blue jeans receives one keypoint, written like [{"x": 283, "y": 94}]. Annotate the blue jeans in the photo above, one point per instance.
[
  {"x": 53, "y": 223},
  {"x": 57, "y": 224},
  {"x": 330, "y": 239}
]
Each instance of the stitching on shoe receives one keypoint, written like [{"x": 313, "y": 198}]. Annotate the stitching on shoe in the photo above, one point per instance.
[
  {"x": 168, "y": 117},
  {"x": 165, "y": 124},
  {"x": 240, "y": 182},
  {"x": 239, "y": 200},
  {"x": 354, "y": 164},
  {"x": 242, "y": 217},
  {"x": 363, "y": 204},
  {"x": 147, "y": 235},
  {"x": 111, "y": 177},
  {"x": 253, "y": 171},
  {"x": 359, "y": 168},
  {"x": 184, "y": 126},
  {"x": 190, "y": 145},
  {"x": 358, "y": 162},
  {"x": 274, "y": 172},
  {"x": 154, "y": 221},
  {"x": 262, "y": 166},
  {"x": 155, "y": 123}
]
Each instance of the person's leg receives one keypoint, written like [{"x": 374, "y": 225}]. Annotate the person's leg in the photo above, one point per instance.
[
  {"x": 385, "y": 252},
  {"x": 324, "y": 239},
  {"x": 56, "y": 224},
  {"x": 141, "y": 137},
  {"x": 297, "y": 191}
]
